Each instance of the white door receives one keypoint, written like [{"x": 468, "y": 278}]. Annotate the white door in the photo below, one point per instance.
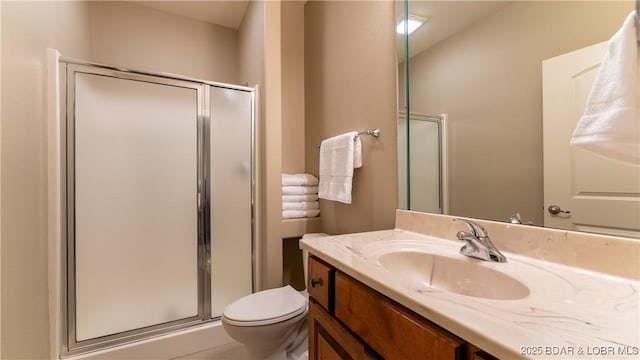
[{"x": 601, "y": 195}]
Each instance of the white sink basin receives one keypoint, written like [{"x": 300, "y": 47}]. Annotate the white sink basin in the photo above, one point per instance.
[
  {"x": 460, "y": 276},
  {"x": 456, "y": 273}
]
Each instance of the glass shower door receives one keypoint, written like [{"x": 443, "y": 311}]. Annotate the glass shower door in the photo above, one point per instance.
[
  {"x": 133, "y": 219},
  {"x": 231, "y": 174},
  {"x": 427, "y": 173}
]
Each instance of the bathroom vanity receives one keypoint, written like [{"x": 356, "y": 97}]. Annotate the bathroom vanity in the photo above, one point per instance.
[
  {"x": 408, "y": 293},
  {"x": 349, "y": 320}
]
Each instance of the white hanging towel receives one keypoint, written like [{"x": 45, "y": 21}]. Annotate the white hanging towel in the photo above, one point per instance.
[
  {"x": 610, "y": 126},
  {"x": 339, "y": 155}
]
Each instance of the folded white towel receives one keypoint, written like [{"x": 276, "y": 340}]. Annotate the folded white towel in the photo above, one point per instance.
[
  {"x": 299, "y": 190},
  {"x": 307, "y": 205},
  {"x": 610, "y": 126},
  {"x": 338, "y": 158},
  {"x": 296, "y": 214},
  {"x": 299, "y": 198},
  {"x": 299, "y": 179}
]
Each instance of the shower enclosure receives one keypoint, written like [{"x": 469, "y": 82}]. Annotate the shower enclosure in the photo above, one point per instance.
[
  {"x": 158, "y": 193},
  {"x": 422, "y": 163}
]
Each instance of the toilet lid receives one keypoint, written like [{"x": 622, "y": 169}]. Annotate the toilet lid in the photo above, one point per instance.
[{"x": 266, "y": 307}]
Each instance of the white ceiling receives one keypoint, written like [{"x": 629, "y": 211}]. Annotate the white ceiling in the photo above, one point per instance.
[
  {"x": 227, "y": 13},
  {"x": 444, "y": 19}
]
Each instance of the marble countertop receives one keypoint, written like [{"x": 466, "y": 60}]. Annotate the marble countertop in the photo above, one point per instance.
[{"x": 570, "y": 312}]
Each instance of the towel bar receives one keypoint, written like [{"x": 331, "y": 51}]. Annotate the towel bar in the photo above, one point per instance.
[{"x": 373, "y": 132}]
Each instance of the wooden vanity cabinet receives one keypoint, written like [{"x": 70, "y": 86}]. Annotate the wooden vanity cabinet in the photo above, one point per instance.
[
  {"x": 329, "y": 340},
  {"x": 349, "y": 320}
]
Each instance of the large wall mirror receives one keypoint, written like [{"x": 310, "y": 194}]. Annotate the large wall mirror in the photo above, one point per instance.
[{"x": 494, "y": 91}]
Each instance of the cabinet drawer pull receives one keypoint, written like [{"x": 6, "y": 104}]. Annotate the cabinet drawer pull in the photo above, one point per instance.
[{"x": 315, "y": 282}]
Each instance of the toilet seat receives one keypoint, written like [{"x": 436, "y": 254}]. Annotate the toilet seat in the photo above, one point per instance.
[{"x": 266, "y": 307}]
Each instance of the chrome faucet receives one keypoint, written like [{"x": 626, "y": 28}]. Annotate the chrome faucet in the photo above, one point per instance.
[
  {"x": 515, "y": 218},
  {"x": 478, "y": 244}
]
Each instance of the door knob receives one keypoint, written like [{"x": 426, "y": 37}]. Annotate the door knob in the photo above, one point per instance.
[{"x": 555, "y": 210}]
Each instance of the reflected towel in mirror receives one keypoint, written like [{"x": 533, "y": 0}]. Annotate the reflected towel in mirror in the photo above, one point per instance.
[{"x": 610, "y": 126}]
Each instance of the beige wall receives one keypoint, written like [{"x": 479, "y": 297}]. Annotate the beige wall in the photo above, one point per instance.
[
  {"x": 107, "y": 32},
  {"x": 272, "y": 146},
  {"x": 251, "y": 45},
  {"x": 251, "y": 48},
  {"x": 292, "y": 38},
  {"x": 260, "y": 63},
  {"x": 0, "y": 187},
  {"x": 488, "y": 80},
  {"x": 350, "y": 84},
  {"x": 293, "y": 144},
  {"x": 27, "y": 30},
  {"x": 139, "y": 37},
  {"x": 349, "y": 42}
]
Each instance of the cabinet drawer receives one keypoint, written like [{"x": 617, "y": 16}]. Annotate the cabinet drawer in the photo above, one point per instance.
[
  {"x": 320, "y": 284},
  {"x": 392, "y": 331}
]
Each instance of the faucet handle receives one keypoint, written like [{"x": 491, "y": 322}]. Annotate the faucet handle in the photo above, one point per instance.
[{"x": 477, "y": 230}]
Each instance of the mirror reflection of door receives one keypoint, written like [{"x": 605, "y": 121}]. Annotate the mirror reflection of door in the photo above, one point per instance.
[
  {"x": 480, "y": 63},
  {"x": 600, "y": 195}
]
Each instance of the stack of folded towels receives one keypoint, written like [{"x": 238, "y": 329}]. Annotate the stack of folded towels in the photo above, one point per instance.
[{"x": 299, "y": 196}]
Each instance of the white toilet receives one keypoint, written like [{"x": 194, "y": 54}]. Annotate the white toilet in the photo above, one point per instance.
[{"x": 271, "y": 324}]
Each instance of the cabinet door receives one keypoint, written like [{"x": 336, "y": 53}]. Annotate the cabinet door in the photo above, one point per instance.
[
  {"x": 324, "y": 349},
  {"x": 393, "y": 331},
  {"x": 328, "y": 340}
]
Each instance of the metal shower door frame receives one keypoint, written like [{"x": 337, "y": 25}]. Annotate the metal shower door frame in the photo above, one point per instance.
[
  {"x": 73, "y": 346},
  {"x": 443, "y": 173}
]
